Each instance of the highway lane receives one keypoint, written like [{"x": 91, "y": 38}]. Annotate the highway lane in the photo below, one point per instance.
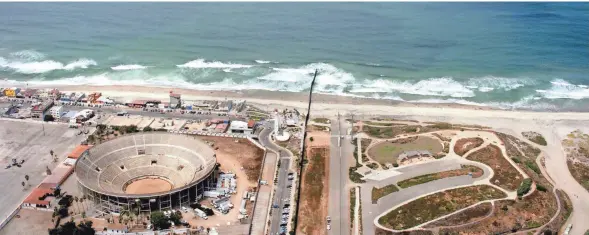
[
  {"x": 341, "y": 158},
  {"x": 282, "y": 193}
]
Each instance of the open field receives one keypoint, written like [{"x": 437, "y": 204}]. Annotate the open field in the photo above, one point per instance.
[
  {"x": 377, "y": 193},
  {"x": 422, "y": 179},
  {"x": 388, "y": 151},
  {"x": 566, "y": 208},
  {"x": 313, "y": 190},
  {"x": 30, "y": 141},
  {"x": 28, "y": 222},
  {"x": 439, "y": 204},
  {"x": 239, "y": 151},
  {"x": 466, "y": 216},
  {"x": 535, "y": 137},
  {"x": 462, "y": 146},
  {"x": 513, "y": 144},
  {"x": 388, "y": 132},
  {"x": 511, "y": 216},
  {"x": 506, "y": 176}
]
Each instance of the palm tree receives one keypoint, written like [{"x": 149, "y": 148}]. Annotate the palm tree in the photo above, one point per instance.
[
  {"x": 76, "y": 199},
  {"x": 27, "y": 178},
  {"x": 84, "y": 198},
  {"x": 23, "y": 185}
]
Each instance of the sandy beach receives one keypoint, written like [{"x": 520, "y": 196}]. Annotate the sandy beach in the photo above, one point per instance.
[{"x": 329, "y": 105}]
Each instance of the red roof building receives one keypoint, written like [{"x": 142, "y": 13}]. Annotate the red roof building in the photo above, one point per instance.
[
  {"x": 79, "y": 151},
  {"x": 33, "y": 200}
]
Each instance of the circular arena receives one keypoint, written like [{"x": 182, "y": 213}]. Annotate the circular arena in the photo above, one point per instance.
[{"x": 146, "y": 172}]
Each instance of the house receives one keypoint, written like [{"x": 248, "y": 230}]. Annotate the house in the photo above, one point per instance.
[
  {"x": 11, "y": 92},
  {"x": 55, "y": 111},
  {"x": 93, "y": 97},
  {"x": 39, "y": 198},
  {"x": 240, "y": 127},
  {"x": 54, "y": 94},
  {"x": 225, "y": 106},
  {"x": 175, "y": 100},
  {"x": 39, "y": 109}
]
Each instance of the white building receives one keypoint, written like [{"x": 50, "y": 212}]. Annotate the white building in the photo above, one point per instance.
[
  {"x": 239, "y": 127},
  {"x": 55, "y": 111}
]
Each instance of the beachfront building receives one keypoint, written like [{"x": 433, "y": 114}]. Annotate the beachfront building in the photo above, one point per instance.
[
  {"x": 240, "y": 127},
  {"x": 175, "y": 101},
  {"x": 55, "y": 111},
  {"x": 225, "y": 106},
  {"x": 39, "y": 109}
]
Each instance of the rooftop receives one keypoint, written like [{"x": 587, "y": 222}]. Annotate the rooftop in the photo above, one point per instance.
[
  {"x": 78, "y": 151},
  {"x": 33, "y": 198}
]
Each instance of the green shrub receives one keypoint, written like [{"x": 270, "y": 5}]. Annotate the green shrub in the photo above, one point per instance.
[
  {"x": 516, "y": 160},
  {"x": 311, "y": 139},
  {"x": 532, "y": 165},
  {"x": 541, "y": 188},
  {"x": 395, "y": 165},
  {"x": 524, "y": 187}
]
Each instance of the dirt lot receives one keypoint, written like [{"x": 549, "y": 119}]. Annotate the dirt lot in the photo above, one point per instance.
[
  {"x": 433, "y": 206},
  {"x": 388, "y": 152},
  {"x": 313, "y": 190},
  {"x": 28, "y": 222},
  {"x": 237, "y": 155},
  {"x": 467, "y": 216},
  {"x": 506, "y": 176},
  {"x": 475, "y": 171},
  {"x": 511, "y": 216},
  {"x": 462, "y": 146}
]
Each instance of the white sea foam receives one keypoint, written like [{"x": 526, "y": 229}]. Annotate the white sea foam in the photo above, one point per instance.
[
  {"x": 128, "y": 67},
  {"x": 263, "y": 62},
  {"x": 447, "y": 101},
  {"x": 561, "y": 89},
  {"x": 490, "y": 83},
  {"x": 201, "y": 63},
  {"x": 329, "y": 79},
  {"x": 36, "y": 67},
  {"x": 444, "y": 86}
]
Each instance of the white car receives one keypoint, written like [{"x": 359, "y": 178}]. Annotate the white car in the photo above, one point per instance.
[{"x": 328, "y": 226}]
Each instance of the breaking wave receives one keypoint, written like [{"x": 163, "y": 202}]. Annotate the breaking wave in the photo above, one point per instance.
[
  {"x": 36, "y": 67},
  {"x": 202, "y": 63},
  {"x": 561, "y": 89},
  {"x": 128, "y": 67}
]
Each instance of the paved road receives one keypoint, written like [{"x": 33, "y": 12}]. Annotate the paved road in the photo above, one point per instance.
[
  {"x": 371, "y": 211},
  {"x": 341, "y": 158},
  {"x": 113, "y": 110},
  {"x": 282, "y": 193}
]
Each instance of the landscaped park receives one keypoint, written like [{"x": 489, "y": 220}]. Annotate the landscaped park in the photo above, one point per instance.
[{"x": 467, "y": 180}]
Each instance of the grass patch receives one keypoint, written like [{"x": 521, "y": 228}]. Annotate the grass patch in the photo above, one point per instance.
[
  {"x": 433, "y": 206},
  {"x": 388, "y": 151},
  {"x": 372, "y": 165},
  {"x": 466, "y": 216},
  {"x": 389, "y": 132},
  {"x": 377, "y": 193},
  {"x": 524, "y": 187},
  {"x": 352, "y": 206},
  {"x": 506, "y": 176},
  {"x": 533, "y": 166},
  {"x": 313, "y": 189},
  {"x": 422, "y": 179},
  {"x": 580, "y": 172},
  {"x": 535, "y": 137}
]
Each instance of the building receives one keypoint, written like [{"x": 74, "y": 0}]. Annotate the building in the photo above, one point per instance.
[
  {"x": 414, "y": 154},
  {"x": 175, "y": 100},
  {"x": 79, "y": 151},
  {"x": 55, "y": 111},
  {"x": 11, "y": 92},
  {"x": 107, "y": 172},
  {"x": 39, "y": 109},
  {"x": 39, "y": 198},
  {"x": 225, "y": 106},
  {"x": 93, "y": 97},
  {"x": 54, "y": 94},
  {"x": 240, "y": 127}
]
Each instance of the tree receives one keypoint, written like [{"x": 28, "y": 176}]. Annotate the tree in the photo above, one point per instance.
[
  {"x": 23, "y": 184},
  {"x": 76, "y": 199},
  {"x": 176, "y": 217},
  {"x": 159, "y": 220},
  {"x": 27, "y": 179},
  {"x": 70, "y": 228},
  {"x": 51, "y": 152},
  {"x": 48, "y": 118},
  {"x": 311, "y": 139}
]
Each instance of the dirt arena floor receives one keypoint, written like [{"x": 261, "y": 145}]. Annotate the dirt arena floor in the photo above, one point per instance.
[{"x": 148, "y": 185}]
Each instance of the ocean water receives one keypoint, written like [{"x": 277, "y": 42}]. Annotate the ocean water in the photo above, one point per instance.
[{"x": 507, "y": 55}]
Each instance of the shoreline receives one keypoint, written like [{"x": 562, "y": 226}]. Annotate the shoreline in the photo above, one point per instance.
[{"x": 323, "y": 104}]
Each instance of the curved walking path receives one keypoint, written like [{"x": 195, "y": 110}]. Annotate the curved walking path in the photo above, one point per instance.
[{"x": 371, "y": 212}]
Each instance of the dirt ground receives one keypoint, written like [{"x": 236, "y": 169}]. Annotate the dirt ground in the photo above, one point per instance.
[
  {"x": 313, "y": 193},
  {"x": 238, "y": 155},
  {"x": 462, "y": 146},
  {"x": 148, "y": 186},
  {"x": 29, "y": 222},
  {"x": 435, "y": 205},
  {"x": 469, "y": 215},
  {"x": 511, "y": 216},
  {"x": 506, "y": 176}
]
